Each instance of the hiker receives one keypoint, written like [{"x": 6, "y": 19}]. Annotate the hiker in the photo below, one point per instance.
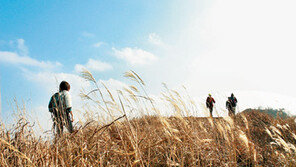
[
  {"x": 60, "y": 106},
  {"x": 230, "y": 108},
  {"x": 231, "y": 104},
  {"x": 233, "y": 101},
  {"x": 210, "y": 104}
]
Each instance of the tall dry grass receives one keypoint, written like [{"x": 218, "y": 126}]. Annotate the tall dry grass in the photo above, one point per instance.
[{"x": 248, "y": 139}]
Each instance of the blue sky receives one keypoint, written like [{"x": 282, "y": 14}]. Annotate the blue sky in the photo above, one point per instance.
[
  {"x": 205, "y": 45},
  {"x": 71, "y": 33}
]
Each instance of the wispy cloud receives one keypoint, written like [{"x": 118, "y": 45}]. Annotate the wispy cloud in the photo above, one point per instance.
[
  {"x": 94, "y": 66},
  {"x": 22, "y": 47},
  {"x": 98, "y": 44},
  {"x": 15, "y": 59},
  {"x": 135, "y": 56},
  {"x": 155, "y": 39},
  {"x": 87, "y": 34},
  {"x": 21, "y": 57}
]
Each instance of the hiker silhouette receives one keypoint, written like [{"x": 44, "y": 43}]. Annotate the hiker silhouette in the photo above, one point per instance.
[
  {"x": 231, "y": 105},
  {"x": 210, "y": 104},
  {"x": 60, "y": 107}
]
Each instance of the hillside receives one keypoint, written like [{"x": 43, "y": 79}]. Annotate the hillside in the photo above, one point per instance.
[
  {"x": 251, "y": 138},
  {"x": 270, "y": 111}
]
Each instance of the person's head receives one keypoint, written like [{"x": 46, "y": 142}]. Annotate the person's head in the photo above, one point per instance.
[
  {"x": 64, "y": 86},
  {"x": 210, "y": 95},
  {"x": 229, "y": 98},
  {"x": 232, "y": 94}
]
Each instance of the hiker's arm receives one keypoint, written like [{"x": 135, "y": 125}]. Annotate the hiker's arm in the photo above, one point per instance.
[
  {"x": 70, "y": 111},
  {"x": 69, "y": 104},
  {"x": 68, "y": 100}
]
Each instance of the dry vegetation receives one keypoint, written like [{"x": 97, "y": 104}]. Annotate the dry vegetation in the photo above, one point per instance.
[{"x": 248, "y": 139}]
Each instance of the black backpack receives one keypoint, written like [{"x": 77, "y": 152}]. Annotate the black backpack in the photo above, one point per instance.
[
  {"x": 54, "y": 103},
  {"x": 233, "y": 101}
]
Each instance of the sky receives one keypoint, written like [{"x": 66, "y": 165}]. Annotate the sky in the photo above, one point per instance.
[{"x": 246, "y": 47}]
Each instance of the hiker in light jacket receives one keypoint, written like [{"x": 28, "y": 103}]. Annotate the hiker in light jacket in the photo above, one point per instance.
[{"x": 60, "y": 105}]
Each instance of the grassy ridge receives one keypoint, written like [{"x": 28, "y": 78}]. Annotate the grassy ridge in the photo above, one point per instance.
[
  {"x": 247, "y": 140},
  {"x": 250, "y": 138}
]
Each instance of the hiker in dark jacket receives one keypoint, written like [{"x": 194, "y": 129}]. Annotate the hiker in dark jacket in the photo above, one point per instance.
[
  {"x": 233, "y": 100},
  {"x": 231, "y": 104},
  {"x": 230, "y": 108},
  {"x": 60, "y": 105},
  {"x": 210, "y": 104}
]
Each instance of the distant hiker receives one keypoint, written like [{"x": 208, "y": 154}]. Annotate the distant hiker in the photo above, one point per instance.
[
  {"x": 233, "y": 100},
  {"x": 231, "y": 104},
  {"x": 230, "y": 108},
  {"x": 60, "y": 106},
  {"x": 210, "y": 104}
]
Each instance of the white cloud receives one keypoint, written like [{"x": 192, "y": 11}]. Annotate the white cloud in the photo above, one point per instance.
[
  {"x": 50, "y": 80},
  {"x": 155, "y": 39},
  {"x": 135, "y": 56},
  {"x": 94, "y": 66},
  {"x": 98, "y": 44},
  {"x": 21, "y": 57},
  {"x": 79, "y": 68},
  {"x": 231, "y": 45},
  {"x": 15, "y": 59},
  {"x": 87, "y": 34},
  {"x": 22, "y": 47},
  {"x": 249, "y": 45},
  {"x": 114, "y": 84}
]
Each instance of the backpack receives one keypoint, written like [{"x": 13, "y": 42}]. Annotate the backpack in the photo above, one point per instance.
[
  {"x": 54, "y": 103},
  {"x": 233, "y": 101},
  {"x": 209, "y": 102}
]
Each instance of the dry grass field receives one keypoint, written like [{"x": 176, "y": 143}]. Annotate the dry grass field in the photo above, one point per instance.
[{"x": 248, "y": 139}]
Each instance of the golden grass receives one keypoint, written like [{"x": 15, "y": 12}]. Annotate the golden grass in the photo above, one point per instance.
[
  {"x": 248, "y": 139},
  {"x": 155, "y": 141}
]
